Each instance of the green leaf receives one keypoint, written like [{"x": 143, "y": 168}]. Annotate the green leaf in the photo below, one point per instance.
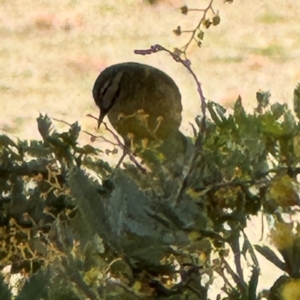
[
  {"x": 5, "y": 141},
  {"x": 44, "y": 125},
  {"x": 87, "y": 149},
  {"x": 269, "y": 254},
  {"x": 297, "y": 101},
  {"x": 263, "y": 99},
  {"x": 240, "y": 115},
  {"x": 253, "y": 283},
  {"x": 269, "y": 125},
  {"x": 289, "y": 124},
  {"x": 217, "y": 112},
  {"x": 74, "y": 131},
  {"x": 278, "y": 110}
]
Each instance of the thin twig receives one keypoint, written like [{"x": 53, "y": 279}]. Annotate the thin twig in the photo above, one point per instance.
[
  {"x": 198, "y": 25},
  {"x": 125, "y": 149},
  {"x": 187, "y": 64},
  {"x": 250, "y": 249}
]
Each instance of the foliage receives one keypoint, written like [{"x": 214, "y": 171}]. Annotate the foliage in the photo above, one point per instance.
[{"x": 80, "y": 229}]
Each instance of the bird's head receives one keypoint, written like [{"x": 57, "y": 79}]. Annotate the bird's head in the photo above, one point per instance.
[{"x": 106, "y": 90}]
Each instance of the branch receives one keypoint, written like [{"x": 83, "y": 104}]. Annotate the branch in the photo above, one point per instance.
[{"x": 187, "y": 64}]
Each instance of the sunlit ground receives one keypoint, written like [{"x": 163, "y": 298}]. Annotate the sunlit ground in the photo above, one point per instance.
[{"x": 52, "y": 51}]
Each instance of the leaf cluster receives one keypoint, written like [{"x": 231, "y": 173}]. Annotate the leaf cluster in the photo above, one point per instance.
[{"x": 81, "y": 229}]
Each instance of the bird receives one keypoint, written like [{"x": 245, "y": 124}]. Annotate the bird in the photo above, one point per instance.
[{"x": 143, "y": 104}]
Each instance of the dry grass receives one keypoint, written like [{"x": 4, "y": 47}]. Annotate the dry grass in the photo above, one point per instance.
[{"x": 51, "y": 53}]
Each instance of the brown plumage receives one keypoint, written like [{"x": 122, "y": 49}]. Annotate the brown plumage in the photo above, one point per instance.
[{"x": 139, "y": 100}]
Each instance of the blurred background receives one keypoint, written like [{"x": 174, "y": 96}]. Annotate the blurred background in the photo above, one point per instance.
[{"x": 52, "y": 51}]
